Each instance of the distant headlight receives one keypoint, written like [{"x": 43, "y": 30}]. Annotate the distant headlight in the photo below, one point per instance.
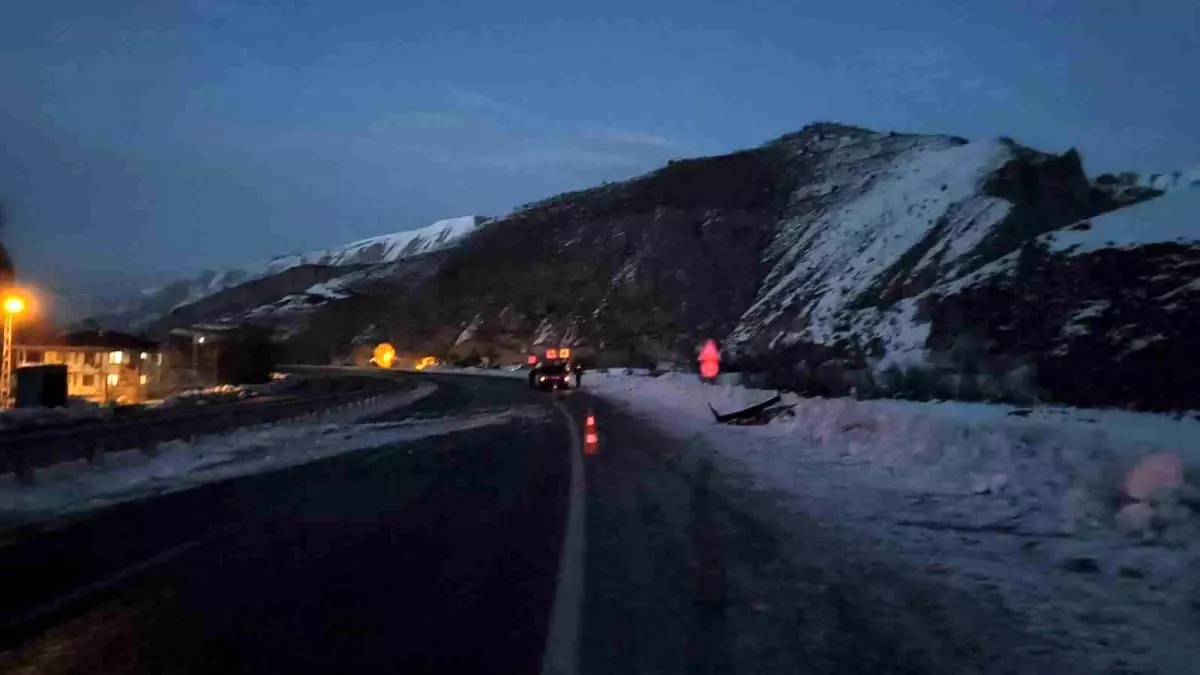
[{"x": 541, "y": 378}]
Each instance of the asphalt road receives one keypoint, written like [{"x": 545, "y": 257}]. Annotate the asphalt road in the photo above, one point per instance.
[
  {"x": 431, "y": 556},
  {"x": 443, "y": 556}
]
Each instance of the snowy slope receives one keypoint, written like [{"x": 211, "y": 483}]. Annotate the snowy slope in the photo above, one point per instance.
[
  {"x": 392, "y": 247},
  {"x": 877, "y": 199},
  {"x": 1174, "y": 217}
]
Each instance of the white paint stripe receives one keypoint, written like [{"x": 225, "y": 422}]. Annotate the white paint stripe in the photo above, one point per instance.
[
  {"x": 103, "y": 584},
  {"x": 561, "y": 656}
]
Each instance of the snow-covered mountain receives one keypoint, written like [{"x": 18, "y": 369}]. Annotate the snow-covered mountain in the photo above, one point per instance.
[
  {"x": 819, "y": 260},
  {"x": 829, "y": 260},
  {"x": 1130, "y": 187},
  {"x": 292, "y": 273}
]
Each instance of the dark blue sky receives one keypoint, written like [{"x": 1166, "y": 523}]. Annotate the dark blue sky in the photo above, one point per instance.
[{"x": 155, "y": 137}]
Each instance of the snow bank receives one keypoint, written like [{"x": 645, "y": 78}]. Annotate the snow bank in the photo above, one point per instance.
[
  {"x": 1028, "y": 508},
  {"x": 77, "y": 409},
  {"x": 223, "y": 393}
]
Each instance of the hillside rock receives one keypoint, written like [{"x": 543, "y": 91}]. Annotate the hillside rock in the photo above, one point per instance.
[{"x": 635, "y": 269}]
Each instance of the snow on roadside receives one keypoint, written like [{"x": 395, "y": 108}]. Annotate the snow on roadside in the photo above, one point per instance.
[
  {"x": 1024, "y": 511},
  {"x": 77, "y": 409},
  {"x": 178, "y": 465}
]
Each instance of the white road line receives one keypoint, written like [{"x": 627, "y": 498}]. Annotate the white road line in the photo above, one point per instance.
[
  {"x": 561, "y": 656},
  {"x": 101, "y": 585}
]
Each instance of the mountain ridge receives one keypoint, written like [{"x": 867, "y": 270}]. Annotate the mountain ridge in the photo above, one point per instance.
[
  {"x": 825, "y": 261},
  {"x": 157, "y": 303}
]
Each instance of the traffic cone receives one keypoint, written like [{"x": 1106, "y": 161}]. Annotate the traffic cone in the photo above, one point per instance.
[{"x": 591, "y": 437}]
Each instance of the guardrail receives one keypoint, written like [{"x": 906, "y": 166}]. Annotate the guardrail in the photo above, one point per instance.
[{"x": 23, "y": 452}]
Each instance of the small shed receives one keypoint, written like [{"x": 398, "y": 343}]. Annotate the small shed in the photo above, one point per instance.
[{"x": 42, "y": 386}]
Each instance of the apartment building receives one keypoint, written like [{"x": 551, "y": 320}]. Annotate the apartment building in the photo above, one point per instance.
[{"x": 113, "y": 368}]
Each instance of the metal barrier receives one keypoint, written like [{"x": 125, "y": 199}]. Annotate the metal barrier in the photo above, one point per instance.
[{"x": 25, "y": 451}]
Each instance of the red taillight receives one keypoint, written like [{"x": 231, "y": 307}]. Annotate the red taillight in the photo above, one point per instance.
[{"x": 591, "y": 439}]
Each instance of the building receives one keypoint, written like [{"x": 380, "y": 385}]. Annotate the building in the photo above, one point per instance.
[{"x": 102, "y": 366}]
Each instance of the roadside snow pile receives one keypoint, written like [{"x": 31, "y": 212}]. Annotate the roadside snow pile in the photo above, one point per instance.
[
  {"x": 77, "y": 410},
  {"x": 223, "y": 393},
  {"x": 1084, "y": 522}
]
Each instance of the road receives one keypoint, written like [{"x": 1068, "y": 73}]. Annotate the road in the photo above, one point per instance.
[{"x": 445, "y": 555}]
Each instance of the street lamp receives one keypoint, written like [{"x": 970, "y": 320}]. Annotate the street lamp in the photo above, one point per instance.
[
  {"x": 197, "y": 340},
  {"x": 13, "y": 305}
]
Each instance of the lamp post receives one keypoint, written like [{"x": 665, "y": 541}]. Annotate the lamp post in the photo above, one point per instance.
[
  {"x": 197, "y": 340},
  {"x": 13, "y": 305}
]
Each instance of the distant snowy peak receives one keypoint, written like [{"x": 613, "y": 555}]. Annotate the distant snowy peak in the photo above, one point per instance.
[
  {"x": 155, "y": 303},
  {"x": 1131, "y": 187},
  {"x": 393, "y": 247},
  {"x": 1168, "y": 182},
  {"x": 1172, "y": 218},
  {"x": 376, "y": 250}
]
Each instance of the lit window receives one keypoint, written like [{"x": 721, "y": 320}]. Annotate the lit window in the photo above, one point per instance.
[
  {"x": 113, "y": 378},
  {"x": 159, "y": 359},
  {"x": 144, "y": 379},
  {"x": 51, "y": 357},
  {"x": 116, "y": 357},
  {"x": 145, "y": 356}
]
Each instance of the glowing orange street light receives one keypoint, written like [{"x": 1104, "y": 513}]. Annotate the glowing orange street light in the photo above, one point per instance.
[
  {"x": 13, "y": 305},
  {"x": 385, "y": 355}
]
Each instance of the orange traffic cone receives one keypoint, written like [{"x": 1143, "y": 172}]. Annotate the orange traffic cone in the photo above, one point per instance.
[{"x": 591, "y": 437}]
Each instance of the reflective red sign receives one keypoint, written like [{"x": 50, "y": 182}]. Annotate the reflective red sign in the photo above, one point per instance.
[{"x": 710, "y": 360}]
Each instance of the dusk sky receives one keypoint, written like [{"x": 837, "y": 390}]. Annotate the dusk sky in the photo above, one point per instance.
[{"x": 155, "y": 138}]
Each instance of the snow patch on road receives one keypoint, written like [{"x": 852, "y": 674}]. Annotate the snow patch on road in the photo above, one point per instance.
[{"x": 1025, "y": 509}]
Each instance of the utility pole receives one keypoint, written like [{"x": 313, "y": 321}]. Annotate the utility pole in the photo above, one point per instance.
[{"x": 13, "y": 305}]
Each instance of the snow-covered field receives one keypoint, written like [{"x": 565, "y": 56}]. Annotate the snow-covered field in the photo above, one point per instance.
[
  {"x": 178, "y": 465},
  {"x": 1049, "y": 512}
]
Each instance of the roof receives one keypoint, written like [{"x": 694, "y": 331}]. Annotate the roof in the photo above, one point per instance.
[{"x": 108, "y": 339}]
